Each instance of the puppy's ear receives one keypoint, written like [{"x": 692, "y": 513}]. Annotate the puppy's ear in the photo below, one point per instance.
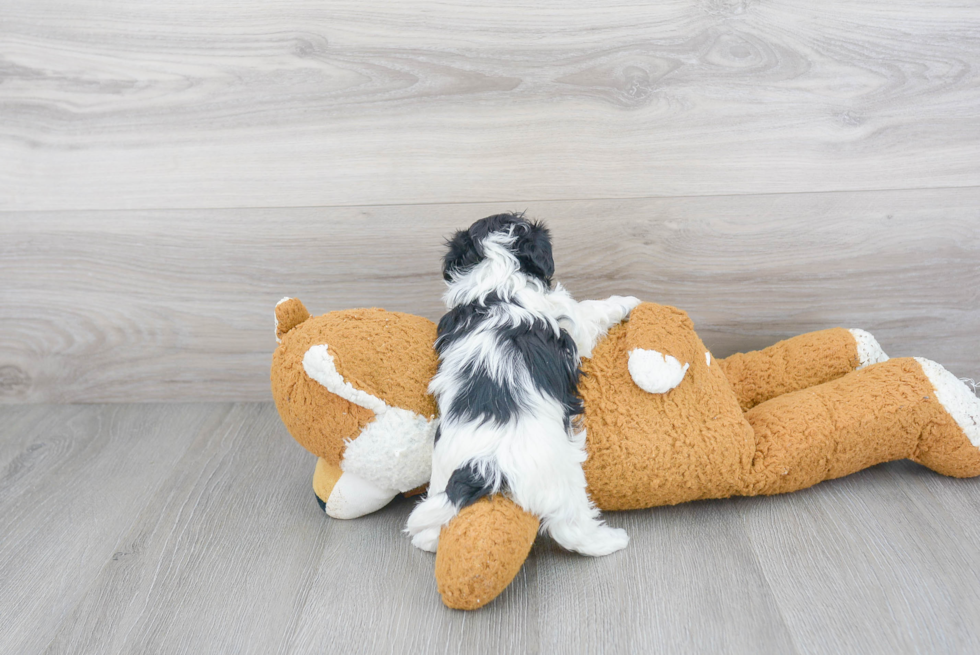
[
  {"x": 480, "y": 230},
  {"x": 534, "y": 253},
  {"x": 462, "y": 254}
]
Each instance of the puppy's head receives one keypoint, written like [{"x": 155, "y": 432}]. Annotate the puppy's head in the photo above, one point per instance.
[{"x": 529, "y": 242}]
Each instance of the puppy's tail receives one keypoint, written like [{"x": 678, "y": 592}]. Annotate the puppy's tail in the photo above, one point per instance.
[{"x": 426, "y": 520}]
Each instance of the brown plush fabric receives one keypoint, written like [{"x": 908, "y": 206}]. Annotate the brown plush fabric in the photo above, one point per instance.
[
  {"x": 661, "y": 449},
  {"x": 289, "y": 313},
  {"x": 481, "y": 550},
  {"x": 417, "y": 491},
  {"x": 386, "y": 354},
  {"x": 325, "y": 476},
  {"x": 797, "y": 363},
  {"x": 944, "y": 447},
  {"x": 834, "y": 429}
]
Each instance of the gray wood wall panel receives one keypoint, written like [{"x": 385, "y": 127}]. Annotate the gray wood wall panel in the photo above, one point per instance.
[
  {"x": 246, "y": 103},
  {"x": 177, "y": 305}
]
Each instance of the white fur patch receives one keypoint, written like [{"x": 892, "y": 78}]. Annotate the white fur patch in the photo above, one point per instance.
[
  {"x": 707, "y": 358},
  {"x": 394, "y": 450},
  {"x": 655, "y": 372},
  {"x": 955, "y": 397},
  {"x": 869, "y": 351},
  {"x": 318, "y": 364}
]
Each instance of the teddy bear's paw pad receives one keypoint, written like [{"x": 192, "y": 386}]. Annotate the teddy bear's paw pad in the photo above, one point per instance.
[
  {"x": 956, "y": 397},
  {"x": 655, "y": 372},
  {"x": 869, "y": 350},
  {"x": 353, "y": 496}
]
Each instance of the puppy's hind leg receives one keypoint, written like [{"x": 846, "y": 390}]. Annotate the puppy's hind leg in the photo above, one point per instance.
[
  {"x": 545, "y": 477},
  {"x": 426, "y": 520},
  {"x": 577, "y": 526}
]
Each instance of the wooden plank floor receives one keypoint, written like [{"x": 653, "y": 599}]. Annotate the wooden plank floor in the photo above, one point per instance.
[{"x": 191, "y": 528}]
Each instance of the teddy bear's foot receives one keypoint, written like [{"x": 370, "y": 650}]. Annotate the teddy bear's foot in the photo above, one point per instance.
[
  {"x": 345, "y": 495},
  {"x": 950, "y": 443}
]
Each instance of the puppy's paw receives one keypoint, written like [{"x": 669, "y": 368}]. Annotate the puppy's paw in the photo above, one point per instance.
[
  {"x": 604, "y": 541},
  {"x": 427, "y": 540},
  {"x": 655, "y": 372},
  {"x": 626, "y": 303}
]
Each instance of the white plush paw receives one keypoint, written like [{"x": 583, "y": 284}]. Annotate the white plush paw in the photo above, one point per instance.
[
  {"x": 603, "y": 541},
  {"x": 353, "y": 497},
  {"x": 655, "y": 372}
]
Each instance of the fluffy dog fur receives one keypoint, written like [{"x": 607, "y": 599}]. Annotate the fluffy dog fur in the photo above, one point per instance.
[{"x": 509, "y": 352}]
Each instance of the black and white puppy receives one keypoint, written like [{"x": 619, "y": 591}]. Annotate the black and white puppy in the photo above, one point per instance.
[{"x": 509, "y": 352}]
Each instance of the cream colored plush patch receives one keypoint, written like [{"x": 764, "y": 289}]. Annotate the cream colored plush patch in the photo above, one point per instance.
[
  {"x": 318, "y": 364},
  {"x": 655, "y": 372},
  {"x": 869, "y": 351},
  {"x": 393, "y": 451},
  {"x": 353, "y": 496},
  {"x": 957, "y": 398}
]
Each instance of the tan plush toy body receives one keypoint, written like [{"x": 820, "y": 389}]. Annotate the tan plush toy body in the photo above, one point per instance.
[{"x": 666, "y": 422}]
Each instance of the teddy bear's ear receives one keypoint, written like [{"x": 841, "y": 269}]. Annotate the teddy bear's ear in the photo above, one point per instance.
[{"x": 290, "y": 312}]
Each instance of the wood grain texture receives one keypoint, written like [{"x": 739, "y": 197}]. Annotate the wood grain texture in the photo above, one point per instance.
[
  {"x": 244, "y": 103},
  {"x": 883, "y": 572},
  {"x": 74, "y": 488},
  {"x": 192, "y": 528},
  {"x": 688, "y": 582},
  {"x": 177, "y": 305},
  {"x": 220, "y": 561}
]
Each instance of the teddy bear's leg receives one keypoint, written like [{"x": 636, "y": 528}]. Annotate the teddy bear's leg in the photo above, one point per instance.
[
  {"x": 942, "y": 447},
  {"x": 901, "y": 408},
  {"x": 798, "y": 363},
  {"x": 481, "y": 550},
  {"x": 345, "y": 495}
]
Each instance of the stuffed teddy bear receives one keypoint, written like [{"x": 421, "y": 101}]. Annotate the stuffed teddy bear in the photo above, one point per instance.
[{"x": 666, "y": 422}]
